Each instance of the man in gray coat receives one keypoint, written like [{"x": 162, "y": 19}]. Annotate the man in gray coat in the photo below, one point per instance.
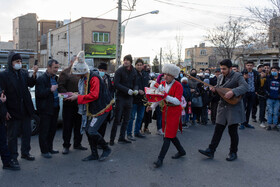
[{"x": 228, "y": 114}]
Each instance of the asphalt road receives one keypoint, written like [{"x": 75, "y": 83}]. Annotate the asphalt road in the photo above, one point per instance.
[{"x": 258, "y": 163}]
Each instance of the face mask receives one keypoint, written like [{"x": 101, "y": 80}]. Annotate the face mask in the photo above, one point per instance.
[
  {"x": 181, "y": 75},
  {"x": 101, "y": 73},
  {"x": 274, "y": 74},
  {"x": 193, "y": 74},
  {"x": 206, "y": 74},
  {"x": 17, "y": 66}
]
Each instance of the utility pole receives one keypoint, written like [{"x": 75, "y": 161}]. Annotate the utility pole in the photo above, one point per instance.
[
  {"x": 118, "y": 43},
  {"x": 68, "y": 42},
  {"x": 160, "y": 57}
]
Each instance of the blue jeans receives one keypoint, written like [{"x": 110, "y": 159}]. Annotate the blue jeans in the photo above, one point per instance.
[
  {"x": 272, "y": 111},
  {"x": 139, "y": 109},
  {"x": 159, "y": 117}
]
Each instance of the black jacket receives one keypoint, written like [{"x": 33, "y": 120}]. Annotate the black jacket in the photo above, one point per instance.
[
  {"x": 141, "y": 83},
  {"x": 256, "y": 80},
  {"x": 215, "y": 96},
  {"x": 3, "y": 110},
  {"x": 15, "y": 84},
  {"x": 125, "y": 80},
  {"x": 44, "y": 95},
  {"x": 109, "y": 85}
]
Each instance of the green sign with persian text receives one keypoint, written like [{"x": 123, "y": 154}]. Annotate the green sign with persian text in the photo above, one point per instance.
[{"x": 100, "y": 51}]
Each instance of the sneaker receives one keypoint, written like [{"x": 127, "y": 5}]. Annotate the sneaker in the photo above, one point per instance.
[
  {"x": 254, "y": 120},
  {"x": 268, "y": 128},
  {"x": 262, "y": 125},
  {"x": 249, "y": 126},
  {"x": 241, "y": 127},
  {"x": 123, "y": 141},
  {"x": 11, "y": 166},
  {"x": 139, "y": 135},
  {"x": 46, "y": 155},
  {"x": 130, "y": 137},
  {"x": 54, "y": 151},
  {"x": 160, "y": 132},
  {"x": 146, "y": 131}
]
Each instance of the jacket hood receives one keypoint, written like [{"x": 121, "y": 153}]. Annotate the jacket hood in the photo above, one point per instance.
[{"x": 10, "y": 56}]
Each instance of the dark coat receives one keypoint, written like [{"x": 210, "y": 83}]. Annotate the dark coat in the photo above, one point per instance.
[
  {"x": 268, "y": 84},
  {"x": 44, "y": 95},
  {"x": 256, "y": 80},
  {"x": 15, "y": 84},
  {"x": 187, "y": 92},
  {"x": 3, "y": 110},
  {"x": 215, "y": 97},
  {"x": 68, "y": 83},
  {"x": 109, "y": 85},
  {"x": 228, "y": 114},
  {"x": 141, "y": 83},
  {"x": 125, "y": 80}
]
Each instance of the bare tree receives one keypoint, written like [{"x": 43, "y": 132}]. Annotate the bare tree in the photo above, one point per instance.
[
  {"x": 227, "y": 37},
  {"x": 179, "y": 45},
  {"x": 168, "y": 54}
]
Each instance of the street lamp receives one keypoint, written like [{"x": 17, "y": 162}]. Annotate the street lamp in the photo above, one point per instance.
[
  {"x": 152, "y": 12},
  {"x": 118, "y": 45}
]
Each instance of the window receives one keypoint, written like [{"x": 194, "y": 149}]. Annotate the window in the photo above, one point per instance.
[
  {"x": 101, "y": 37},
  {"x": 189, "y": 53},
  {"x": 16, "y": 31},
  {"x": 203, "y": 52},
  {"x": 51, "y": 40}
]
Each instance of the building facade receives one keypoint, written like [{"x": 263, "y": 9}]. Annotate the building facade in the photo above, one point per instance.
[
  {"x": 25, "y": 32},
  {"x": 201, "y": 57},
  {"x": 97, "y": 37}
]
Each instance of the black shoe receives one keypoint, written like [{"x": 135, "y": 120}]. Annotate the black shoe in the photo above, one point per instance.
[
  {"x": 123, "y": 141},
  {"x": 111, "y": 142},
  {"x": 268, "y": 128},
  {"x": 46, "y": 155},
  {"x": 28, "y": 157},
  {"x": 65, "y": 151},
  {"x": 158, "y": 163},
  {"x": 105, "y": 154},
  {"x": 80, "y": 147},
  {"x": 91, "y": 157},
  {"x": 231, "y": 157},
  {"x": 54, "y": 152},
  {"x": 254, "y": 120},
  {"x": 208, "y": 152},
  {"x": 11, "y": 166},
  {"x": 139, "y": 135},
  {"x": 15, "y": 161},
  {"x": 178, "y": 155},
  {"x": 275, "y": 128}
]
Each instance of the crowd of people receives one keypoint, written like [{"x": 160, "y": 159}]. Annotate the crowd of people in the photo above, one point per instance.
[{"x": 91, "y": 100}]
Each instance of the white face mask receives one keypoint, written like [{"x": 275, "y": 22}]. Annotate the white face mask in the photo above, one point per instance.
[
  {"x": 206, "y": 74},
  {"x": 17, "y": 66}
]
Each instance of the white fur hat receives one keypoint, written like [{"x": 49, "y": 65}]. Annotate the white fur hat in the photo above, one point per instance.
[
  {"x": 79, "y": 66},
  {"x": 184, "y": 79},
  {"x": 171, "y": 69}
]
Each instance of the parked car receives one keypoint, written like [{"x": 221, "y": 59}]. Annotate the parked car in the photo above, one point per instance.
[{"x": 35, "y": 121}]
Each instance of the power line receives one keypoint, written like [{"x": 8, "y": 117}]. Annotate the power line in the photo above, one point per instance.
[
  {"x": 85, "y": 22},
  {"x": 200, "y": 10}
]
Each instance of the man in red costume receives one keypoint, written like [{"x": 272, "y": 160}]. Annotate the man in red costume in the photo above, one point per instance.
[
  {"x": 171, "y": 112},
  {"x": 95, "y": 103}
]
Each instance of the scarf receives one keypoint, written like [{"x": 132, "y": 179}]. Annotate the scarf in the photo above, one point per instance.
[{"x": 82, "y": 109}]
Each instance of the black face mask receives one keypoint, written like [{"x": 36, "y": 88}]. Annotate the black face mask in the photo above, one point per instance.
[{"x": 193, "y": 74}]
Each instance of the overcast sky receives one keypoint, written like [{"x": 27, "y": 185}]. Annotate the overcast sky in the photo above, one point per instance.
[{"x": 145, "y": 35}]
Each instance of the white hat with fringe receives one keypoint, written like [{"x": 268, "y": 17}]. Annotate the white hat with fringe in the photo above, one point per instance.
[{"x": 171, "y": 69}]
